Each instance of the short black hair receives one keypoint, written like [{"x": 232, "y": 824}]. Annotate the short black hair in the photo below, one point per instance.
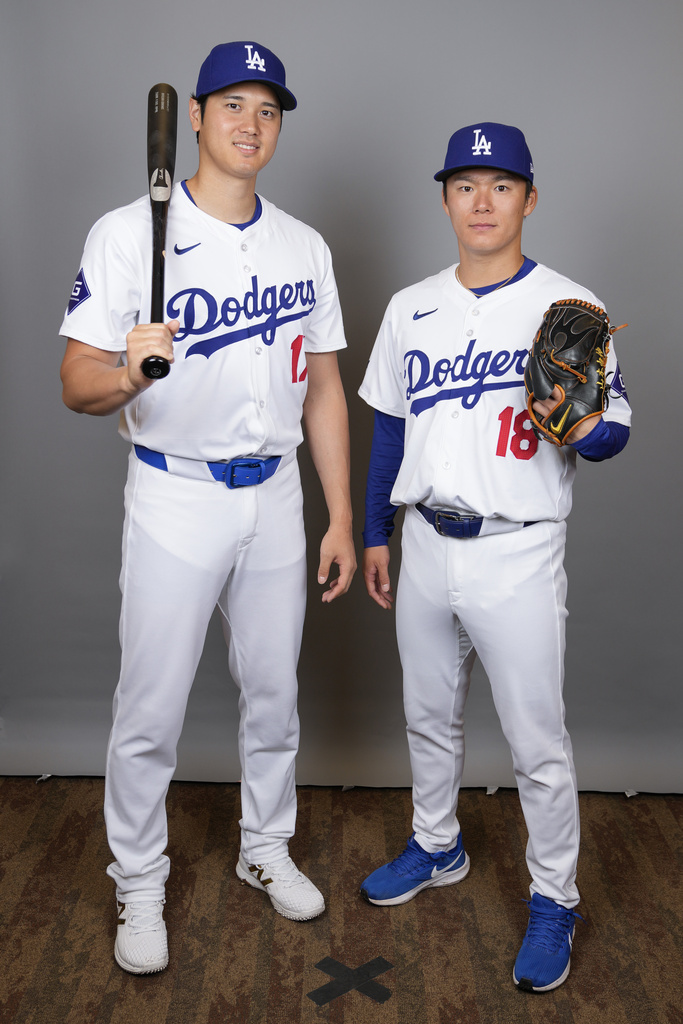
[{"x": 518, "y": 177}]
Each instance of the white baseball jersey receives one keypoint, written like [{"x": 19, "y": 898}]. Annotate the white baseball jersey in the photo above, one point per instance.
[
  {"x": 250, "y": 302},
  {"x": 453, "y": 365}
]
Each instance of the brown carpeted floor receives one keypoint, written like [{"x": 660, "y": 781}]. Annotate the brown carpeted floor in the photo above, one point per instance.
[{"x": 233, "y": 959}]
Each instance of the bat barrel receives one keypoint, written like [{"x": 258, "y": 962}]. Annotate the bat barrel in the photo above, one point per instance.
[{"x": 162, "y": 127}]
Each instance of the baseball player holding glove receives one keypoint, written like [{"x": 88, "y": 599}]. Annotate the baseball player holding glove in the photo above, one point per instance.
[
  {"x": 213, "y": 498},
  {"x": 485, "y": 468}
]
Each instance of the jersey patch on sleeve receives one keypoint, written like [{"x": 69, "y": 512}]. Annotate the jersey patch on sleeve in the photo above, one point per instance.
[
  {"x": 79, "y": 293},
  {"x": 617, "y": 388}
]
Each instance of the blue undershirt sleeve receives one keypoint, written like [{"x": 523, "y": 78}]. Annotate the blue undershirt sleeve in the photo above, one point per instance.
[
  {"x": 386, "y": 456},
  {"x": 605, "y": 441}
]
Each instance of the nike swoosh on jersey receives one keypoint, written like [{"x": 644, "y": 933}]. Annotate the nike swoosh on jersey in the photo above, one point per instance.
[
  {"x": 181, "y": 252},
  {"x": 417, "y": 315},
  {"x": 436, "y": 872}
]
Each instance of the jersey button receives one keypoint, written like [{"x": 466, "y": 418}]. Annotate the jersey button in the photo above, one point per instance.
[
  {"x": 475, "y": 312},
  {"x": 244, "y": 247},
  {"x": 446, "y": 465},
  {"x": 262, "y": 404},
  {"x": 469, "y": 333},
  {"x": 455, "y": 415},
  {"x": 259, "y": 351},
  {"x": 247, "y": 268}
]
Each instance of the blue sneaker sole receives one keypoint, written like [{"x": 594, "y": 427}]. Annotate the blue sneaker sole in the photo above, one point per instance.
[{"x": 448, "y": 878}]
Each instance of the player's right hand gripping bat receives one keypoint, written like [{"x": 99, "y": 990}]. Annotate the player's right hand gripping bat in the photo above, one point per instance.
[{"x": 162, "y": 129}]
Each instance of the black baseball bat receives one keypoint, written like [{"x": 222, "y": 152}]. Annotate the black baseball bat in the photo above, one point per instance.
[{"x": 162, "y": 130}]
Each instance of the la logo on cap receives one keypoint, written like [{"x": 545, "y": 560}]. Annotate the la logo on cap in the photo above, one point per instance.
[
  {"x": 481, "y": 146},
  {"x": 254, "y": 61}
]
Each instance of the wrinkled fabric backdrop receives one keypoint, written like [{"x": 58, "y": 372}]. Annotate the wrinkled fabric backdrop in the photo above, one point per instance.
[{"x": 596, "y": 87}]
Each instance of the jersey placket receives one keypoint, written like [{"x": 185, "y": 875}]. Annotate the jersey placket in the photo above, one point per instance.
[
  {"x": 444, "y": 470},
  {"x": 258, "y": 350}
]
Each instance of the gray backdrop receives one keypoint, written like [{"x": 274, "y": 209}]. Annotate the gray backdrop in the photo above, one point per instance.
[{"x": 596, "y": 86}]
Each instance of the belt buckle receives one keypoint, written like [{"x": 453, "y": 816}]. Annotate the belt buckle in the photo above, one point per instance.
[
  {"x": 242, "y": 473},
  {"x": 461, "y": 521}
]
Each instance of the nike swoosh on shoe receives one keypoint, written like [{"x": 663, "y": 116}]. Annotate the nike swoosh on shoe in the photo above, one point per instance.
[{"x": 436, "y": 871}]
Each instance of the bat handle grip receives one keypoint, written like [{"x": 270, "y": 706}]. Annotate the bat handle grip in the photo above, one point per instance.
[{"x": 155, "y": 367}]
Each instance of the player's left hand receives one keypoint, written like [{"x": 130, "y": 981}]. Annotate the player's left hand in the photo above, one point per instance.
[
  {"x": 337, "y": 547},
  {"x": 544, "y": 409},
  {"x": 565, "y": 374}
]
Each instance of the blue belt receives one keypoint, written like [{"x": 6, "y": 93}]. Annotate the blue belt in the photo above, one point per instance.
[
  {"x": 455, "y": 524},
  {"x": 236, "y": 473},
  {"x": 452, "y": 524}
]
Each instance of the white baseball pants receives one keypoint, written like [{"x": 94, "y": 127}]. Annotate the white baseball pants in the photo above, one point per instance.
[
  {"x": 501, "y": 597},
  {"x": 189, "y": 545}
]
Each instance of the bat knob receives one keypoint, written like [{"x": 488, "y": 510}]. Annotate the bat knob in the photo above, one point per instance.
[{"x": 155, "y": 367}]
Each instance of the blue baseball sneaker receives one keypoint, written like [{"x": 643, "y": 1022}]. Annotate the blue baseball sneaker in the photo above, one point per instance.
[
  {"x": 414, "y": 870},
  {"x": 544, "y": 959}
]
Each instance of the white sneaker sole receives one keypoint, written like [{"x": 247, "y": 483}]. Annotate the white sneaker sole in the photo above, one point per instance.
[
  {"x": 449, "y": 878},
  {"x": 152, "y": 968}
]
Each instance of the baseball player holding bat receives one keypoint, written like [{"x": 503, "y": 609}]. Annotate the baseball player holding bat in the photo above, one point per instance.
[
  {"x": 484, "y": 532},
  {"x": 213, "y": 500}
]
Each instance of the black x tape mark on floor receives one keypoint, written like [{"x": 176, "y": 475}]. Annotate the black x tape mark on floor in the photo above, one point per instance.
[{"x": 346, "y": 979}]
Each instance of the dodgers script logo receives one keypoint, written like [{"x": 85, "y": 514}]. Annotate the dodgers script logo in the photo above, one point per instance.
[
  {"x": 481, "y": 146},
  {"x": 470, "y": 371},
  {"x": 254, "y": 61},
  {"x": 200, "y": 314}
]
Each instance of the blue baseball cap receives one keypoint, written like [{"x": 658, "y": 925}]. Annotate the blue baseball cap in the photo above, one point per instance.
[
  {"x": 229, "y": 63},
  {"x": 488, "y": 144}
]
